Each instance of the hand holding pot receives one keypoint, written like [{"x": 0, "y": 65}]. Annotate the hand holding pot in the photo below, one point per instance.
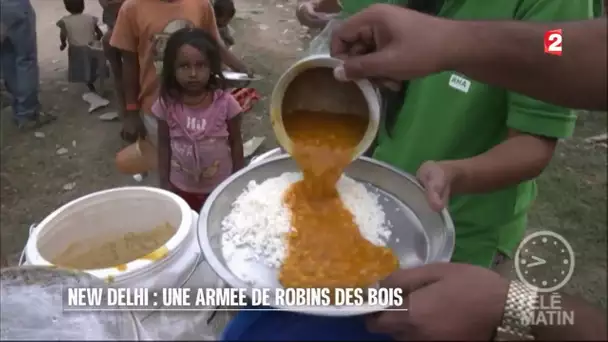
[{"x": 391, "y": 42}]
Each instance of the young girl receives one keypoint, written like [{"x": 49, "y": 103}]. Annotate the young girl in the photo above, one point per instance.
[
  {"x": 199, "y": 126},
  {"x": 141, "y": 30},
  {"x": 79, "y": 30}
]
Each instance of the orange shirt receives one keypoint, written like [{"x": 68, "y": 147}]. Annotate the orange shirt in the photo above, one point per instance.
[{"x": 143, "y": 27}]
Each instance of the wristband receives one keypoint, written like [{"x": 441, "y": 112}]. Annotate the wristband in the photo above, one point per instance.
[
  {"x": 132, "y": 107},
  {"x": 518, "y": 315}
]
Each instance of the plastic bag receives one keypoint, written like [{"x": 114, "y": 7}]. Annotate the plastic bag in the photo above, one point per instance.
[
  {"x": 320, "y": 44},
  {"x": 200, "y": 325},
  {"x": 184, "y": 326},
  {"x": 32, "y": 309}
]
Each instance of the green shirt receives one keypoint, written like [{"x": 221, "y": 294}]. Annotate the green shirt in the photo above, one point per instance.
[
  {"x": 448, "y": 116},
  {"x": 350, "y": 7}
]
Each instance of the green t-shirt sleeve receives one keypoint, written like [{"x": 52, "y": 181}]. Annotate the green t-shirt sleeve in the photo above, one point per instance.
[
  {"x": 598, "y": 9},
  {"x": 556, "y": 10},
  {"x": 535, "y": 117},
  {"x": 350, "y": 7},
  {"x": 527, "y": 114}
]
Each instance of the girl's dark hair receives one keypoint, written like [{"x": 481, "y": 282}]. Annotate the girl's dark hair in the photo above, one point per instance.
[
  {"x": 170, "y": 89},
  {"x": 224, "y": 8},
  {"x": 74, "y": 6}
]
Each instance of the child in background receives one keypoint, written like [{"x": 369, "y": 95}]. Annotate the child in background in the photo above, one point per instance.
[
  {"x": 78, "y": 31},
  {"x": 224, "y": 12},
  {"x": 141, "y": 31},
  {"x": 110, "y": 13},
  {"x": 199, "y": 126}
]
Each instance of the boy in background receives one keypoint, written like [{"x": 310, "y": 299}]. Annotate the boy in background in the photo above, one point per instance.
[
  {"x": 109, "y": 16},
  {"x": 224, "y": 12},
  {"x": 79, "y": 30},
  {"x": 141, "y": 32}
]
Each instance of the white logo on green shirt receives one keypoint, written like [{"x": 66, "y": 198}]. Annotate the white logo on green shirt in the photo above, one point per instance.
[{"x": 460, "y": 83}]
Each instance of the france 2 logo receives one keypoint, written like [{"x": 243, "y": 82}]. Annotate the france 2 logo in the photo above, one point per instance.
[{"x": 553, "y": 42}]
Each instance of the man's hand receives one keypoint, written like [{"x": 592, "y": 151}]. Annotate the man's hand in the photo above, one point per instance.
[
  {"x": 445, "y": 302},
  {"x": 391, "y": 42},
  {"x": 62, "y": 46},
  {"x": 133, "y": 127}
]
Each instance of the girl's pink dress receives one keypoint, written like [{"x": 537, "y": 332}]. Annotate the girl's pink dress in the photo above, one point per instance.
[{"x": 200, "y": 152}]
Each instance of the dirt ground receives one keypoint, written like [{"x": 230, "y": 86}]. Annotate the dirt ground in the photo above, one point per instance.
[
  {"x": 38, "y": 175},
  {"x": 37, "y": 178}
]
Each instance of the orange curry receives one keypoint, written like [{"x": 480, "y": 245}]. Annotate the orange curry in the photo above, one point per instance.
[{"x": 325, "y": 247}]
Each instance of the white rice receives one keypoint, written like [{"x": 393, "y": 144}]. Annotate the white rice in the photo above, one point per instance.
[{"x": 259, "y": 221}]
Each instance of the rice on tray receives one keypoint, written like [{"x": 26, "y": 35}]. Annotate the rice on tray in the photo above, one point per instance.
[{"x": 259, "y": 221}]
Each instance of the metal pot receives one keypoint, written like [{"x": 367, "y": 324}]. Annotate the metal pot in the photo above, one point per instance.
[{"x": 309, "y": 84}]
